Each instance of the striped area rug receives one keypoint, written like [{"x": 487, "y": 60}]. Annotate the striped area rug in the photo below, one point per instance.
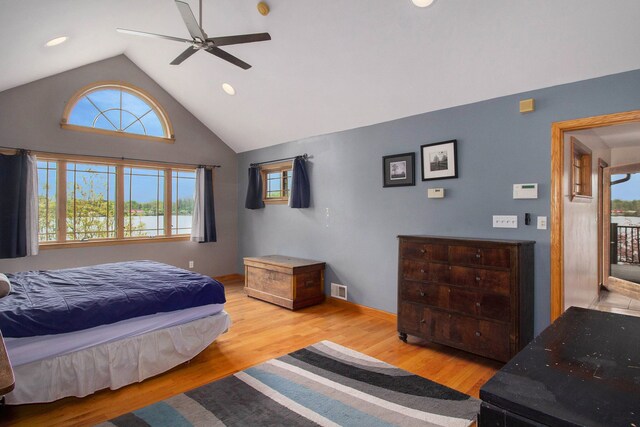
[{"x": 324, "y": 384}]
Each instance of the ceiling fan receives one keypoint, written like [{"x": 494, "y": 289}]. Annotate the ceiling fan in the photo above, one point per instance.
[{"x": 200, "y": 40}]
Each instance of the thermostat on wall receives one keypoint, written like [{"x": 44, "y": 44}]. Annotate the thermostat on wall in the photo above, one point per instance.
[{"x": 525, "y": 191}]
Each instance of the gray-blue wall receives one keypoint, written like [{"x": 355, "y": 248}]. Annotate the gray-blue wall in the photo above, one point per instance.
[{"x": 354, "y": 221}]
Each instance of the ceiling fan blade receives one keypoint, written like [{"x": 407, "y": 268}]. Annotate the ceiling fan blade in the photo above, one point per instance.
[
  {"x": 156, "y": 36},
  {"x": 228, "y": 57},
  {"x": 244, "y": 38},
  {"x": 190, "y": 20},
  {"x": 184, "y": 55}
]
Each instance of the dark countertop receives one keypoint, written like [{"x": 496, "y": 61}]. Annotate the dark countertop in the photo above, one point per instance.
[{"x": 582, "y": 370}]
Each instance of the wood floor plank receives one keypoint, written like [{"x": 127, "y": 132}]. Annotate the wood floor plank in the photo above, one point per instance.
[{"x": 261, "y": 331}]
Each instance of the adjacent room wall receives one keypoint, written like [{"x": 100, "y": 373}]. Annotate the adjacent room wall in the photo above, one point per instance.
[
  {"x": 30, "y": 117},
  {"x": 353, "y": 221}
]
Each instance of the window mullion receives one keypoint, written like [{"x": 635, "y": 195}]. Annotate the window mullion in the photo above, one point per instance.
[
  {"x": 61, "y": 189},
  {"x": 168, "y": 197},
  {"x": 120, "y": 201}
]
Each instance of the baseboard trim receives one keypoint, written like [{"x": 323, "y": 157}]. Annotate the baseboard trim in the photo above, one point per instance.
[
  {"x": 374, "y": 312},
  {"x": 230, "y": 277}
]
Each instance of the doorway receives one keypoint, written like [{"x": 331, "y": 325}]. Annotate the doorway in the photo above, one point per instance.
[{"x": 560, "y": 192}]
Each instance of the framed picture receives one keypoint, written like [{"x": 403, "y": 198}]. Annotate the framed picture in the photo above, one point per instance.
[
  {"x": 439, "y": 160},
  {"x": 398, "y": 170}
]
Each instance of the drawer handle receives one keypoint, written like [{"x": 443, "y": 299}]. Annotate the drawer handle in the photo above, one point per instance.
[
  {"x": 421, "y": 293},
  {"x": 477, "y": 278},
  {"x": 422, "y": 270},
  {"x": 477, "y": 304},
  {"x": 478, "y": 333},
  {"x": 449, "y": 316},
  {"x": 478, "y": 255},
  {"x": 422, "y": 251},
  {"x": 423, "y": 321}
]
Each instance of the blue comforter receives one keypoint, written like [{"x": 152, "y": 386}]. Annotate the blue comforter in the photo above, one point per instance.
[{"x": 58, "y": 301}]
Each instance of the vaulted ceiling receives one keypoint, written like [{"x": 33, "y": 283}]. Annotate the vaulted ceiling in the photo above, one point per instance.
[{"x": 331, "y": 64}]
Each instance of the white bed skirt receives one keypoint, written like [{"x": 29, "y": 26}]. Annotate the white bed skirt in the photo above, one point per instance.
[{"x": 115, "y": 364}]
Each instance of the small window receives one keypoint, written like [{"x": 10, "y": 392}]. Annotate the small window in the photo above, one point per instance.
[
  {"x": 276, "y": 182},
  {"x": 117, "y": 108},
  {"x": 580, "y": 176},
  {"x": 143, "y": 202}
]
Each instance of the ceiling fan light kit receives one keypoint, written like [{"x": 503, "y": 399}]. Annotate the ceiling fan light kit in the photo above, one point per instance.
[
  {"x": 200, "y": 40},
  {"x": 263, "y": 8}
]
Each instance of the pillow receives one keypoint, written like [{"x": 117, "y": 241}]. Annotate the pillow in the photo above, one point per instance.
[{"x": 5, "y": 286}]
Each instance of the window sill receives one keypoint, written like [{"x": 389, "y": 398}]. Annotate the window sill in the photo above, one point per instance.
[
  {"x": 275, "y": 201},
  {"x": 112, "y": 242}
]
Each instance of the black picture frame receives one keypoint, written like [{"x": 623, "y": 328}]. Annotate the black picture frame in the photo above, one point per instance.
[
  {"x": 439, "y": 160},
  {"x": 399, "y": 170}
]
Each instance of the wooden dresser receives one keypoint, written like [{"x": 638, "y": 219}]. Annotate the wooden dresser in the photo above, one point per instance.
[
  {"x": 289, "y": 282},
  {"x": 472, "y": 294}
]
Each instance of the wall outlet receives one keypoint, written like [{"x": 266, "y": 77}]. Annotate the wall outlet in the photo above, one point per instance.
[
  {"x": 505, "y": 221},
  {"x": 190, "y": 264},
  {"x": 339, "y": 291},
  {"x": 542, "y": 223}
]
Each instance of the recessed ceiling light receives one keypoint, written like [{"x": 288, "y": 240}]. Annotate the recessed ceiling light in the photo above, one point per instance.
[
  {"x": 422, "y": 3},
  {"x": 228, "y": 88},
  {"x": 56, "y": 41}
]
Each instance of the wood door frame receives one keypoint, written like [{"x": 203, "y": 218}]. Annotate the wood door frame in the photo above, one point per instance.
[{"x": 558, "y": 130}]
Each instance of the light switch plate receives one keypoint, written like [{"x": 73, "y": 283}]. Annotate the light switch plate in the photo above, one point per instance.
[
  {"x": 505, "y": 221},
  {"x": 542, "y": 223}
]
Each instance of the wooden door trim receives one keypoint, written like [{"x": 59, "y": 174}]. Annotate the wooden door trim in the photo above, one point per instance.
[{"x": 558, "y": 129}]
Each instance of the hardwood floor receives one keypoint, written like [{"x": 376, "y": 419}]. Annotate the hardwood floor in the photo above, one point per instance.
[{"x": 262, "y": 331}]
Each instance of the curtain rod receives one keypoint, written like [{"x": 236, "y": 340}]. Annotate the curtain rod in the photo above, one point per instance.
[
  {"x": 109, "y": 157},
  {"x": 304, "y": 156}
]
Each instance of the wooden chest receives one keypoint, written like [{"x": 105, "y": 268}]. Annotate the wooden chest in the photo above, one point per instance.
[
  {"x": 472, "y": 294},
  {"x": 289, "y": 282}
]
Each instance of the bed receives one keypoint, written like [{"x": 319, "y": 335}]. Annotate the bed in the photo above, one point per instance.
[{"x": 74, "y": 331}]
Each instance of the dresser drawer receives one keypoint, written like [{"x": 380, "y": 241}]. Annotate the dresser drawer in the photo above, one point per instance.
[
  {"x": 493, "y": 257},
  {"x": 426, "y": 271},
  {"x": 423, "y": 293},
  {"x": 414, "y": 319},
  {"x": 486, "y": 280},
  {"x": 474, "y": 303},
  {"x": 471, "y": 334},
  {"x": 424, "y": 251}
]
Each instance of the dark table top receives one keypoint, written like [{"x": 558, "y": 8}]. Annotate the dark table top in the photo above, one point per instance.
[{"x": 582, "y": 370}]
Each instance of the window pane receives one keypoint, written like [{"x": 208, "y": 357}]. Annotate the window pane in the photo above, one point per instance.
[
  {"x": 153, "y": 125},
  {"x": 103, "y": 123},
  {"x": 47, "y": 207},
  {"x": 183, "y": 190},
  {"x": 274, "y": 185},
  {"x": 134, "y": 105},
  {"x": 83, "y": 113},
  {"x": 105, "y": 99},
  {"x": 143, "y": 202},
  {"x": 91, "y": 205}
]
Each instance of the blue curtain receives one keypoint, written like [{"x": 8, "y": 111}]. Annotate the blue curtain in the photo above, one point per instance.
[
  {"x": 300, "y": 188},
  {"x": 13, "y": 205},
  {"x": 254, "y": 190},
  {"x": 209, "y": 208}
]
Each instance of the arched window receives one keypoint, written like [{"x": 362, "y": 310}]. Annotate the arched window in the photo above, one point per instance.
[{"x": 117, "y": 108}]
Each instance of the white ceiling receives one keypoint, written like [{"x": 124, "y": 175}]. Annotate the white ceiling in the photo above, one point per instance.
[
  {"x": 617, "y": 136},
  {"x": 332, "y": 64}
]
